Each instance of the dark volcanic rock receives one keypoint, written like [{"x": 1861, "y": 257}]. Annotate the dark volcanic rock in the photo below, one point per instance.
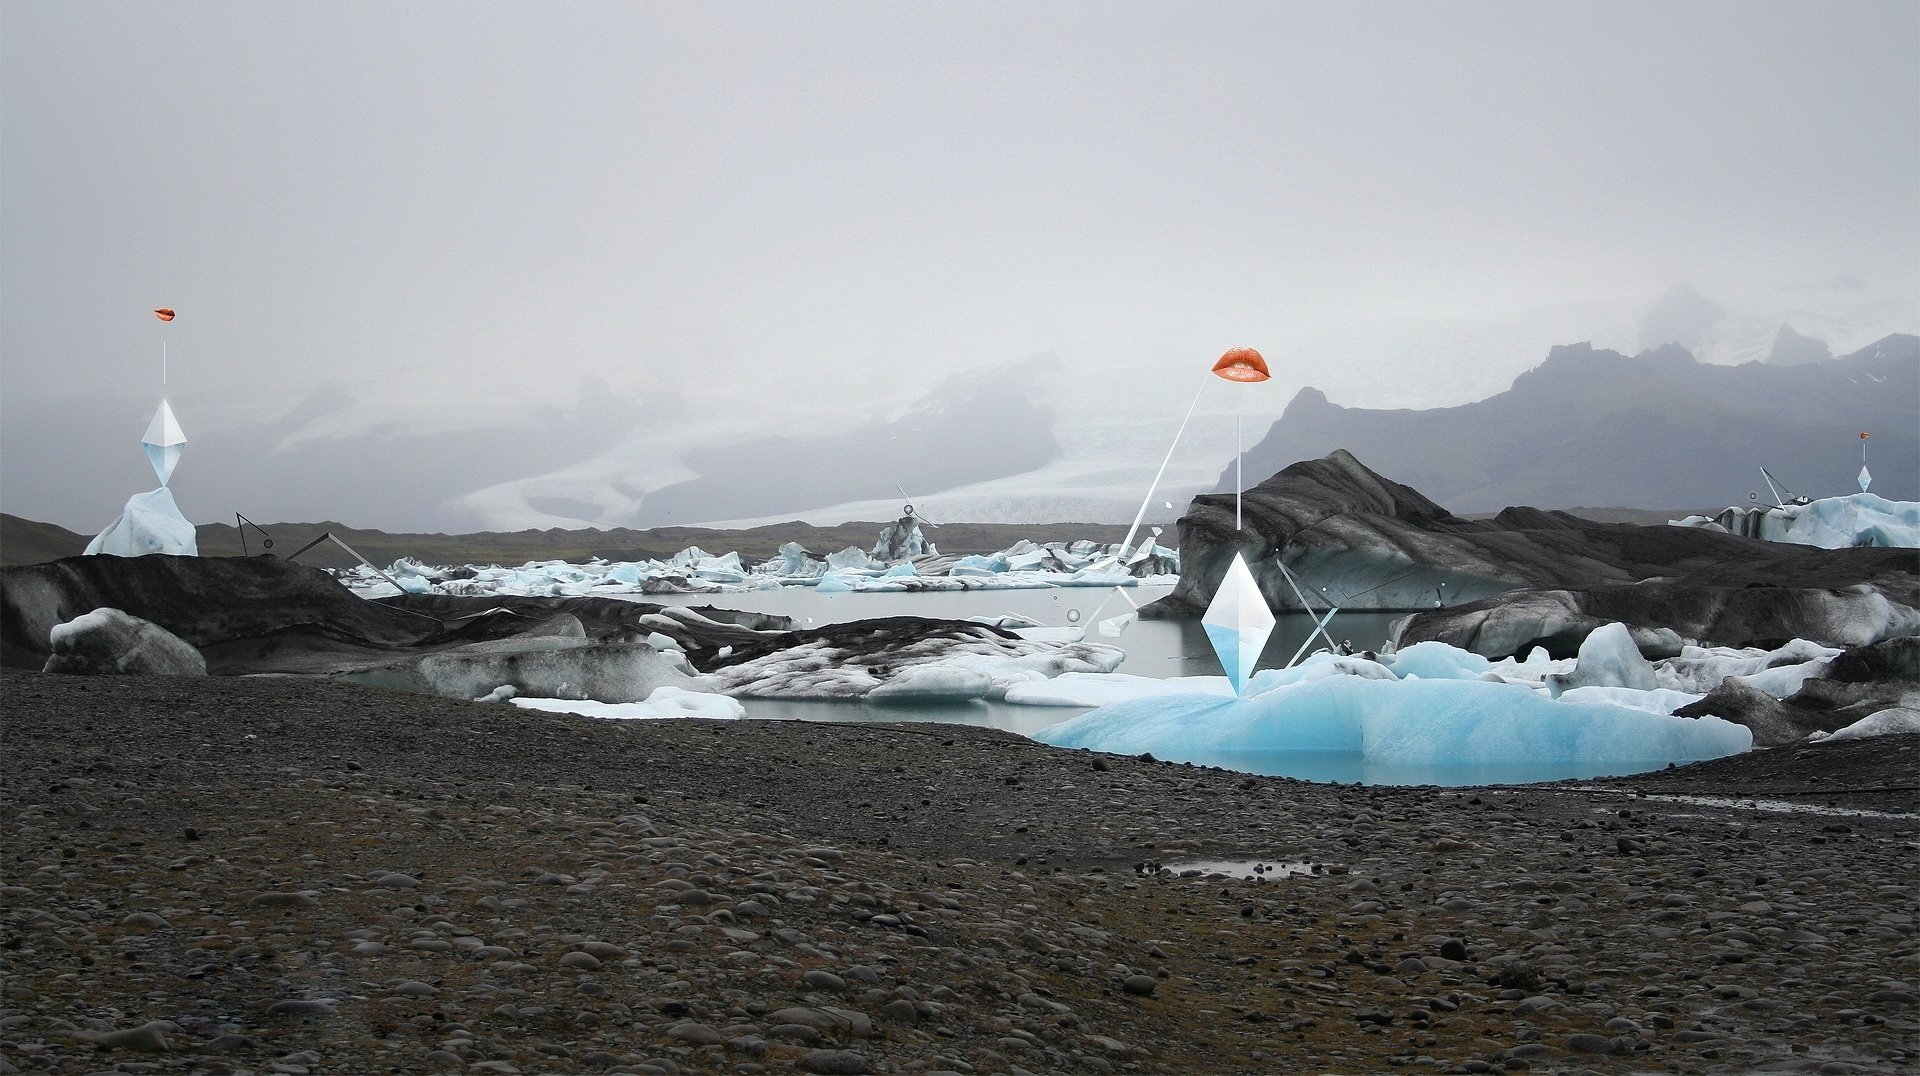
[
  {"x": 1773, "y": 722},
  {"x": 1844, "y": 597},
  {"x": 1361, "y": 541},
  {"x": 1889, "y": 659},
  {"x": 260, "y": 614}
]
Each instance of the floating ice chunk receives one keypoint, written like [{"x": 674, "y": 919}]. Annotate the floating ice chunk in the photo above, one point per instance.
[
  {"x": 1657, "y": 701},
  {"x": 1413, "y": 721},
  {"x": 1434, "y": 660},
  {"x": 663, "y": 702},
  {"x": 1778, "y": 672},
  {"x": 1319, "y": 666},
  {"x": 795, "y": 562},
  {"x": 902, "y": 570},
  {"x": 934, "y": 682},
  {"x": 979, "y": 565},
  {"x": 1608, "y": 658},
  {"x": 1897, "y": 720},
  {"x": 150, "y": 523},
  {"x": 832, "y": 582},
  {"x": 725, "y": 569},
  {"x": 689, "y": 556},
  {"x": 1009, "y": 621},
  {"x": 853, "y": 557}
]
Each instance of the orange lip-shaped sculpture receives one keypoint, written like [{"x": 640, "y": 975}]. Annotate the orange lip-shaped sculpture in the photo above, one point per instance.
[
  {"x": 1242, "y": 364},
  {"x": 165, "y": 313}
]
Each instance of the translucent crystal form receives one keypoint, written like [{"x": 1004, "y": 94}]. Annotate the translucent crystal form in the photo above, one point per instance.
[
  {"x": 1238, "y": 623},
  {"x": 163, "y": 442}
]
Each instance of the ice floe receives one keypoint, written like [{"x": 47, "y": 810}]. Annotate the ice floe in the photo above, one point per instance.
[
  {"x": 1407, "y": 721},
  {"x": 662, "y": 703},
  {"x": 1433, "y": 703},
  {"x": 1022, "y": 566}
]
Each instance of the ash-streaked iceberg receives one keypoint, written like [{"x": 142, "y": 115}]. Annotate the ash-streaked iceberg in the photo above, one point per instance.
[{"x": 1858, "y": 519}]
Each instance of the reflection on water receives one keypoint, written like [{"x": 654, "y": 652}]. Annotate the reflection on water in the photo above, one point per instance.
[
  {"x": 1253, "y": 870},
  {"x": 1158, "y": 648}
]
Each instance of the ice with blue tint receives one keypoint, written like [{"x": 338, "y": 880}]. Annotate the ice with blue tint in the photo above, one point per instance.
[
  {"x": 1608, "y": 658},
  {"x": 150, "y": 523},
  {"x": 164, "y": 458},
  {"x": 1437, "y": 661},
  {"x": 1400, "y": 722}
]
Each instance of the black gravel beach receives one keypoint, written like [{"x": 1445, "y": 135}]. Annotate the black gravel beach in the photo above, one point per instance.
[{"x": 291, "y": 876}]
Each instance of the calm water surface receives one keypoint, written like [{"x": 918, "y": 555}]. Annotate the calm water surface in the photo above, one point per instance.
[{"x": 1157, "y": 648}]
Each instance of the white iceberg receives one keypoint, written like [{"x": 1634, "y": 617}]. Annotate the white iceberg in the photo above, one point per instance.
[
  {"x": 150, "y": 523},
  {"x": 1025, "y": 566},
  {"x": 664, "y": 702},
  {"x": 1893, "y": 721}
]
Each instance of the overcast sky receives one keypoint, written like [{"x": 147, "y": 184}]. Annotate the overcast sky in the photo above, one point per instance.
[{"x": 445, "y": 208}]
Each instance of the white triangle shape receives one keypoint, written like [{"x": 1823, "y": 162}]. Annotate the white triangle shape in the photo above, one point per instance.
[{"x": 164, "y": 430}]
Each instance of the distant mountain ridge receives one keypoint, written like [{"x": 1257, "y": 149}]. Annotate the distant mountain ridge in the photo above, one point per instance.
[{"x": 1592, "y": 426}]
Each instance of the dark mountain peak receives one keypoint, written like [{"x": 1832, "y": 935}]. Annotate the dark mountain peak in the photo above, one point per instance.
[
  {"x": 1903, "y": 347},
  {"x": 1307, "y": 401},
  {"x": 1792, "y": 349},
  {"x": 1668, "y": 355},
  {"x": 1339, "y": 482},
  {"x": 1660, "y": 429}
]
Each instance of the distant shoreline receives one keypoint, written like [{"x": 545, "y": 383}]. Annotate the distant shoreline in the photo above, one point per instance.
[{"x": 26, "y": 541}]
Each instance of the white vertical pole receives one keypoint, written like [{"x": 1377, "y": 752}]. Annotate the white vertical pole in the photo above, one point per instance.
[
  {"x": 1239, "y": 476},
  {"x": 1127, "y": 545},
  {"x": 163, "y": 362}
]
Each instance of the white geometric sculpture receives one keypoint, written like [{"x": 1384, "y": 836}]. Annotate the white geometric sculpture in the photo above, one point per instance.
[
  {"x": 1238, "y": 623},
  {"x": 151, "y": 522},
  {"x": 163, "y": 442},
  {"x": 1865, "y": 478}
]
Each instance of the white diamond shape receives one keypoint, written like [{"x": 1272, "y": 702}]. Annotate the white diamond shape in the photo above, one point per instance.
[
  {"x": 1238, "y": 623},
  {"x": 164, "y": 441},
  {"x": 164, "y": 430},
  {"x": 1865, "y": 478}
]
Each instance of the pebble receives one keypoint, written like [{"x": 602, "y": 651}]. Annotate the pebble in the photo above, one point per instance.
[{"x": 835, "y": 1063}]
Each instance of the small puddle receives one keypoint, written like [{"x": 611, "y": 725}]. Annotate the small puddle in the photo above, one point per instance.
[{"x": 1252, "y": 870}]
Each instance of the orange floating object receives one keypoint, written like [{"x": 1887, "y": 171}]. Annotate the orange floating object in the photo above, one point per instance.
[
  {"x": 1863, "y": 437},
  {"x": 165, "y": 313},
  {"x": 1242, "y": 364}
]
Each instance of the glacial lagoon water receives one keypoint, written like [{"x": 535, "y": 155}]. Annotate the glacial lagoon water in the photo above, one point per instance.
[{"x": 1157, "y": 648}]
